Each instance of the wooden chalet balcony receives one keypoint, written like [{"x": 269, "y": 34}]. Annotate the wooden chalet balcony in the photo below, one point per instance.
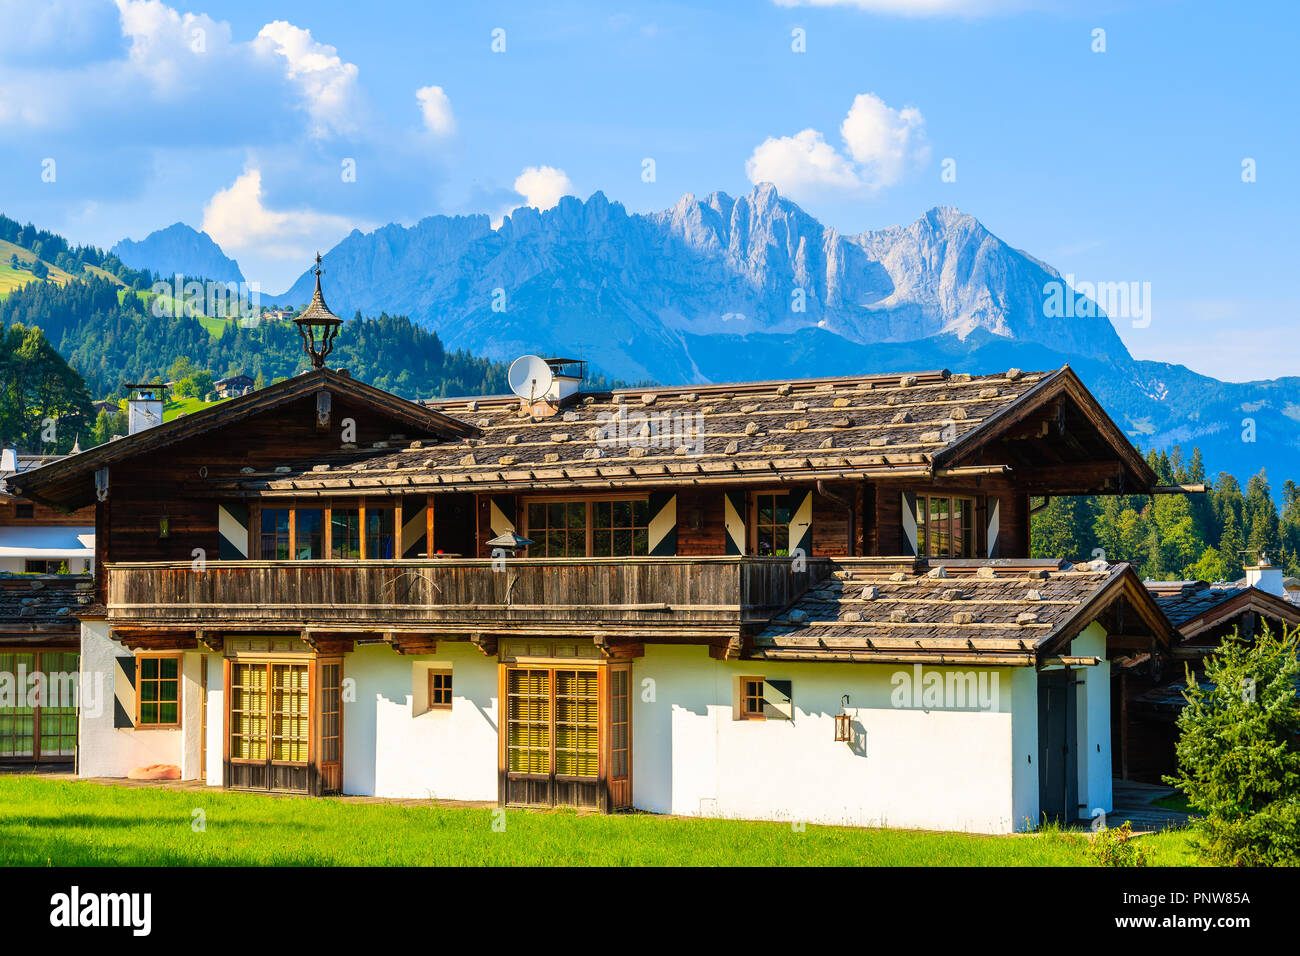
[{"x": 456, "y": 595}]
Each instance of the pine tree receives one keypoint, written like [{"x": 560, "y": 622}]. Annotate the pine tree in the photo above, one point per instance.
[
  {"x": 1237, "y": 762},
  {"x": 1230, "y": 547}
]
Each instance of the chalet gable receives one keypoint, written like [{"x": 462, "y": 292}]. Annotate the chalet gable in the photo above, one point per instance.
[
  {"x": 308, "y": 416},
  {"x": 1057, "y": 439}
]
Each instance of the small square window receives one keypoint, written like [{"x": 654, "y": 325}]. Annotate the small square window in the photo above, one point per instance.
[
  {"x": 158, "y": 691},
  {"x": 440, "y": 690},
  {"x": 24, "y": 509},
  {"x": 751, "y": 698}
]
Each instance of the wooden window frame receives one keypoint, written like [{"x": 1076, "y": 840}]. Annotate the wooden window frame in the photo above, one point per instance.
[
  {"x": 923, "y": 500},
  {"x": 744, "y": 698},
  {"x": 587, "y": 501},
  {"x": 751, "y": 519},
  {"x": 327, "y": 506},
  {"x": 433, "y": 702},
  {"x": 179, "y": 658},
  {"x": 38, "y": 654}
]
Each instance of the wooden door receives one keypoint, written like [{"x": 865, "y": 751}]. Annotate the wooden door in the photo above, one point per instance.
[
  {"x": 269, "y": 729},
  {"x": 551, "y": 748},
  {"x": 329, "y": 726},
  {"x": 1058, "y": 771}
]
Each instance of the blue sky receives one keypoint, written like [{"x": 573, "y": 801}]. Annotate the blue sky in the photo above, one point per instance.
[{"x": 1122, "y": 165}]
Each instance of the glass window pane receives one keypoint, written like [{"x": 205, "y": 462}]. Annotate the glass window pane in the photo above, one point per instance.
[
  {"x": 622, "y": 514},
  {"x": 168, "y": 666},
  {"x": 309, "y": 543}
]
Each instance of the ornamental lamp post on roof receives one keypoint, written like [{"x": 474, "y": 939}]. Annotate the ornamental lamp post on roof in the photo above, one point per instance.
[{"x": 318, "y": 325}]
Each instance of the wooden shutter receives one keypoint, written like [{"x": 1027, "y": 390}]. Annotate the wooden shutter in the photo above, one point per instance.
[
  {"x": 663, "y": 523},
  {"x": 733, "y": 520},
  {"x": 501, "y": 514},
  {"x": 994, "y": 548},
  {"x": 801, "y": 518},
  {"x": 124, "y": 693},
  {"x": 909, "y": 523},
  {"x": 232, "y": 527},
  {"x": 778, "y": 701}
]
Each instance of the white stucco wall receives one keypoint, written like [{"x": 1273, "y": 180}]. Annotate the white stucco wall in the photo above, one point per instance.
[
  {"x": 938, "y": 768},
  {"x": 1024, "y": 745},
  {"x": 106, "y": 751},
  {"x": 394, "y": 747},
  {"x": 1093, "y": 722},
  {"x": 19, "y": 564},
  {"x": 215, "y": 742}
]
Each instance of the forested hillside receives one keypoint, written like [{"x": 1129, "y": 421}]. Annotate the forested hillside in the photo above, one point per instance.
[{"x": 1183, "y": 537}]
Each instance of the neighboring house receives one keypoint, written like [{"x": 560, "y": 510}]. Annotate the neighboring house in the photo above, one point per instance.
[
  {"x": 1149, "y": 696},
  {"x": 234, "y": 386},
  {"x": 1292, "y": 588},
  {"x": 38, "y": 539},
  {"x": 39, "y": 631},
  {"x": 40, "y": 635},
  {"x": 807, "y": 600}
]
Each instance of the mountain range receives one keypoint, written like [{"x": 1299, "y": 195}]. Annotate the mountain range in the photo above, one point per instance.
[
  {"x": 179, "y": 249},
  {"x": 726, "y": 289}
]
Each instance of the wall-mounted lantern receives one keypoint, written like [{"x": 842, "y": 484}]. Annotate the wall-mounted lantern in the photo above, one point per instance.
[
  {"x": 164, "y": 526},
  {"x": 843, "y": 723}
]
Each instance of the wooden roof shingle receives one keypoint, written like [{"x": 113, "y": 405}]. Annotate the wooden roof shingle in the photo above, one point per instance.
[
  {"x": 1006, "y": 613},
  {"x": 897, "y": 425},
  {"x": 42, "y": 608}
]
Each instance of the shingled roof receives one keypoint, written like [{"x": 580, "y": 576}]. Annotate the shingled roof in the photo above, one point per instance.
[
  {"x": 1195, "y": 607},
  {"x": 993, "y": 613},
  {"x": 912, "y": 425},
  {"x": 41, "y": 608}
]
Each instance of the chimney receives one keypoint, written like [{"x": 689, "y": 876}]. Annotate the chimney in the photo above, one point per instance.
[
  {"x": 1264, "y": 576},
  {"x": 9, "y": 460},
  {"x": 144, "y": 409},
  {"x": 566, "y": 378}
]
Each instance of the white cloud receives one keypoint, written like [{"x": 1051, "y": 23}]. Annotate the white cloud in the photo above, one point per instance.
[
  {"x": 881, "y": 145},
  {"x": 801, "y": 163},
  {"x": 920, "y": 8},
  {"x": 435, "y": 107},
  {"x": 884, "y": 141},
  {"x": 543, "y": 186},
  {"x": 281, "y": 241},
  {"x": 327, "y": 83}
]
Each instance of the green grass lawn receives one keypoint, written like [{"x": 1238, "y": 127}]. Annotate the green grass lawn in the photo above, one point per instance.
[{"x": 46, "y": 822}]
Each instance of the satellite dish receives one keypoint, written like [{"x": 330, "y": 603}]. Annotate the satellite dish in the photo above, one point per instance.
[{"x": 529, "y": 377}]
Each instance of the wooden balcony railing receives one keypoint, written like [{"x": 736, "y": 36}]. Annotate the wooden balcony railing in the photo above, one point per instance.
[{"x": 452, "y": 594}]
